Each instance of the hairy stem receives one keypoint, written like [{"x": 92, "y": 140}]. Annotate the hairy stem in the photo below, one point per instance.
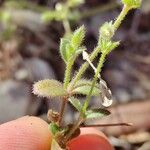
[
  {"x": 66, "y": 82},
  {"x": 64, "y": 102},
  {"x": 98, "y": 70},
  {"x": 81, "y": 116},
  {"x": 85, "y": 66},
  {"x": 67, "y": 27},
  {"x": 97, "y": 49},
  {"x": 68, "y": 73},
  {"x": 121, "y": 17},
  {"x": 99, "y": 67}
]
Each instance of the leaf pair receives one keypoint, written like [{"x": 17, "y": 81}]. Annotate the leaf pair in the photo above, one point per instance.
[
  {"x": 107, "y": 46},
  {"x": 54, "y": 88},
  {"x": 71, "y": 47}
]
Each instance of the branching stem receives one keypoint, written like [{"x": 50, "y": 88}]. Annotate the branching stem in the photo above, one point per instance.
[
  {"x": 99, "y": 67},
  {"x": 97, "y": 49}
]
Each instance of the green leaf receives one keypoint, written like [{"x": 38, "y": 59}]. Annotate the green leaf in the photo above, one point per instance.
[
  {"x": 96, "y": 113},
  {"x": 48, "y": 88},
  {"x": 112, "y": 46},
  {"x": 70, "y": 48},
  {"x": 63, "y": 49},
  {"x": 85, "y": 89},
  {"x": 76, "y": 103},
  {"x": 83, "y": 86},
  {"x": 70, "y": 51},
  {"x": 53, "y": 127},
  {"x": 77, "y": 37},
  {"x": 107, "y": 46},
  {"x": 83, "y": 82},
  {"x": 67, "y": 51}
]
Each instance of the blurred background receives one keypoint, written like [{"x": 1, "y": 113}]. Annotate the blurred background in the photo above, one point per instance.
[{"x": 29, "y": 51}]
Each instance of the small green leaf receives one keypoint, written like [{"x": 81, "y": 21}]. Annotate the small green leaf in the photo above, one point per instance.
[
  {"x": 113, "y": 45},
  {"x": 107, "y": 46},
  {"x": 76, "y": 103},
  {"x": 48, "y": 88},
  {"x": 53, "y": 127},
  {"x": 132, "y": 3},
  {"x": 85, "y": 89},
  {"x": 77, "y": 37},
  {"x": 83, "y": 86},
  {"x": 83, "y": 82},
  {"x": 70, "y": 51},
  {"x": 96, "y": 113},
  {"x": 63, "y": 49},
  {"x": 70, "y": 48}
]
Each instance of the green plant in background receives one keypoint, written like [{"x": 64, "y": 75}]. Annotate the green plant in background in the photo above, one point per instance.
[
  {"x": 31, "y": 16},
  {"x": 63, "y": 12},
  {"x": 10, "y": 20},
  {"x": 9, "y": 29},
  {"x": 70, "y": 47}
]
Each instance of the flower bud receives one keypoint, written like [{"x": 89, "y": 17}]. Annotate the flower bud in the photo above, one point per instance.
[{"x": 107, "y": 31}]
